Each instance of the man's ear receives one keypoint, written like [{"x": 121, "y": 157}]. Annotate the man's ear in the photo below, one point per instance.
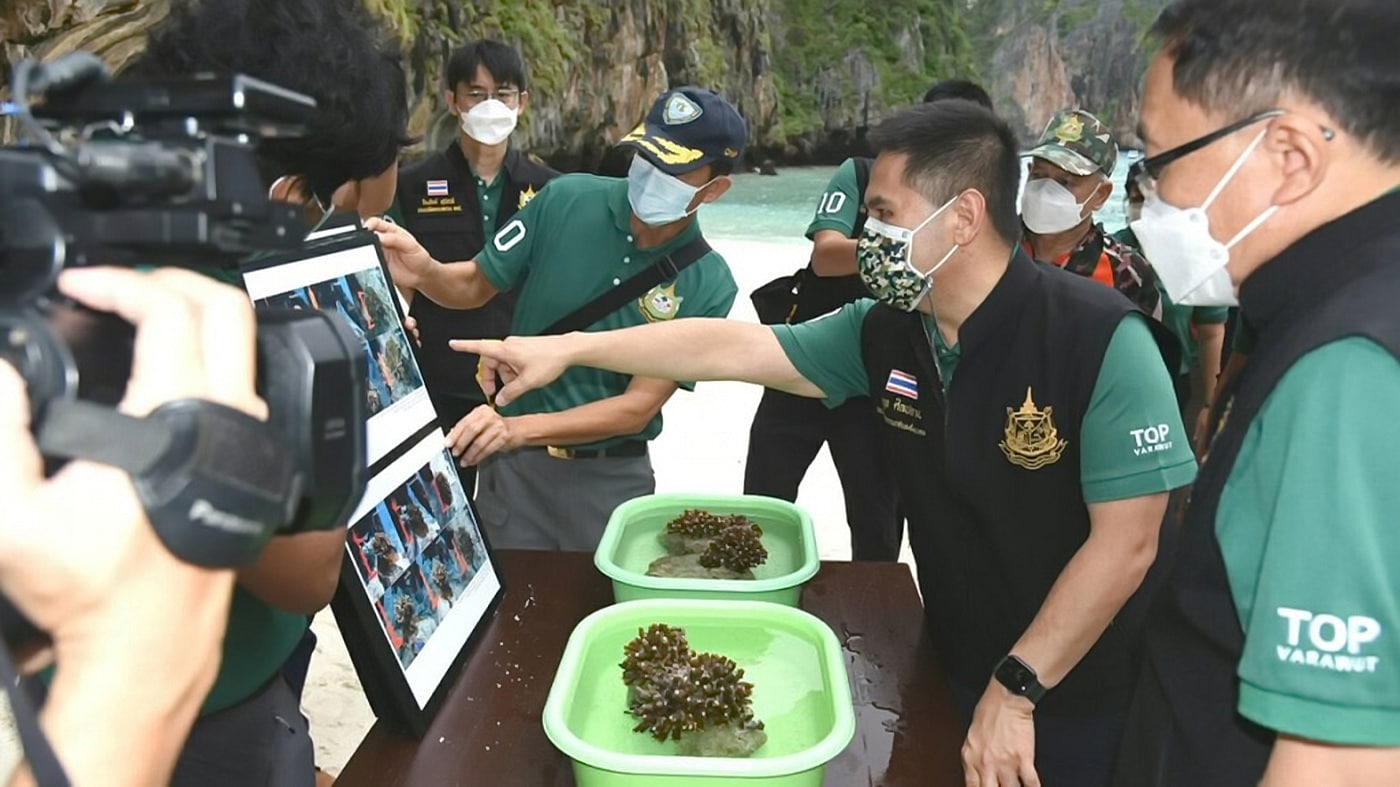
[
  {"x": 1305, "y": 153},
  {"x": 449, "y": 97},
  {"x": 718, "y": 188},
  {"x": 970, "y": 215},
  {"x": 524, "y": 100}
]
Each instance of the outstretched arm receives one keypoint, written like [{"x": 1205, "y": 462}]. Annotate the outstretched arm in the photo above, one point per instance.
[
  {"x": 454, "y": 285},
  {"x": 484, "y": 432},
  {"x": 686, "y": 349}
]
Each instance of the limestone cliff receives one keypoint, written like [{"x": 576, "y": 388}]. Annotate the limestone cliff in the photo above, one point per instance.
[
  {"x": 809, "y": 75},
  {"x": 1041, "y": 56},
  {"x": 595, "y": 67}
]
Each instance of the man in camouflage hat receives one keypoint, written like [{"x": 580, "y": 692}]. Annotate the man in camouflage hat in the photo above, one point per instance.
[{"x": 1070, "y": 179}]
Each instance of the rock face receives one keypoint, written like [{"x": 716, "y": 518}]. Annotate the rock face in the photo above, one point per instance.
[
  {"x": 1042, "y": 56},
  {"x": 596, "y": 67},
  {"x": 810, "y": 76}
]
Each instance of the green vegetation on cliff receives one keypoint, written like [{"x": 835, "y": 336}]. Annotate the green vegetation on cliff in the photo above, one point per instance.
[
  {"x": 550, "y": 36},
  {"x": 906, "y": 46},
  {"x": 910, "y": 44}
]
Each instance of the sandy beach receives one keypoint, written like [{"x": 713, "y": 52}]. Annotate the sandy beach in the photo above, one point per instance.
[{"x": 701, "y": 449}]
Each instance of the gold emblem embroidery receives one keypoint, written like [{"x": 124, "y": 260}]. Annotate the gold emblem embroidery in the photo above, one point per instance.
[
  {"x": 1032, "y": 441},
  {"x": 1071, "y": 130},
  {"x": 665, "y": 151},
  {"x": 525, "y": 197},
  {"x": 660, "y": 303}
]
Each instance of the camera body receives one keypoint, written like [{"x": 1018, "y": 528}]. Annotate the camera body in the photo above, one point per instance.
[{"x": 165, "y": 173}]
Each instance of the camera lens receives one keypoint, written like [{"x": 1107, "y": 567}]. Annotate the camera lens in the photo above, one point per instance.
[{"x": 32, "y": 250}]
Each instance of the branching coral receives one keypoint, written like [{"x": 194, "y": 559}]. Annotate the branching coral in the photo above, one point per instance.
[
  {"x": 736, "y": 548},
  {"x": 692, "y": 532},
  {"x": 695, "y": 523},
  {"x": 675, "y": 691}
]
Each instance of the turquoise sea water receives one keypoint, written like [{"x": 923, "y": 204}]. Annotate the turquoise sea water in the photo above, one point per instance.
[{"x": 779, "y": 208}]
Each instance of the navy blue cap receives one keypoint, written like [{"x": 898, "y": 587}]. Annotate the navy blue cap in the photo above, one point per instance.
[{"x": 688, "y": 128}]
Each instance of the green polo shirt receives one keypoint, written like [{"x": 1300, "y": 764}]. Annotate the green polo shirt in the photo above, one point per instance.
[
  {"x": 1307, "y": 529},
  {"x": 1132, "y": 389},
  {"x": 1179, "y": 319},
  {"x": 839, "y": 208},
  {"x": 573, "y": 242},
  {"x": 488, "y": 196}
]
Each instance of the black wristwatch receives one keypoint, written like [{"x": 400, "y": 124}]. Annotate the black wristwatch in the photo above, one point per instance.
[{"x": 1019, "y": 679}]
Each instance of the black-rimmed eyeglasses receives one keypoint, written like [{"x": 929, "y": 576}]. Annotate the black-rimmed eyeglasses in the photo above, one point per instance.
[{"x": 1146, "y": 172}]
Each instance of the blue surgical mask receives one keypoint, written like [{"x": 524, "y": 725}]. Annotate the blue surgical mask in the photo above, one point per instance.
[{"x": 658, "y": 198}]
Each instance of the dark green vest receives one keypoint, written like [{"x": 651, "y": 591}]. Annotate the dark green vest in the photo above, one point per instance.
[
  {"x": 989, "y": 475},
  {"x": 1341, "y": 281}
]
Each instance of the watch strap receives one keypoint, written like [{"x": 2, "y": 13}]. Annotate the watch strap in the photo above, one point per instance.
[{"x": 1019, "y": 679}]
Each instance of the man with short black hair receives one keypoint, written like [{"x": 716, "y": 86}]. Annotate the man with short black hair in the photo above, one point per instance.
[
  {"x": 250, "y": 729},
  {"x": 1273, "y": 182},
  {"x": 1027, "y": 418},
  {"x": 958, "y": 89},
  {"x": 453, "y": 200},
  {"x": 788, "y": 431},
  {"x": 589, "y": 253}
]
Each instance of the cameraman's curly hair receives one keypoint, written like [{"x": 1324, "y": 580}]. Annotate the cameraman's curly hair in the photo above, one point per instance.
[{"x": 335, "y": 51}]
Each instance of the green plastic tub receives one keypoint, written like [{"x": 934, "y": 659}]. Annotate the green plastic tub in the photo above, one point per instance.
[
  {"x": 630, "y": 544},
  {"x": 792, "y": 658}
]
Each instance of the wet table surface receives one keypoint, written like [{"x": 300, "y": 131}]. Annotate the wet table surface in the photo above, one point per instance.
[{"x": 489, "y": 730}]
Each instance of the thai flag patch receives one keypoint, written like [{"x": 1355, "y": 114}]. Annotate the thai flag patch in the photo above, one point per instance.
[
  {"x": 437, "y": 188},
  {"x": 903, "y": 384}
]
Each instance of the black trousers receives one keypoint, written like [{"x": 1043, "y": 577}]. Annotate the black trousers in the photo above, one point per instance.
[{"x": 786, "y": 435}]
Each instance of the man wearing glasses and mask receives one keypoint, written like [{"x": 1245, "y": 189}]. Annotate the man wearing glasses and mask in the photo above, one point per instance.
[
  {"x": 454, "y": 200},
  {"x": 1273, "y": 181},
  {"x": 588, "y": 253}
]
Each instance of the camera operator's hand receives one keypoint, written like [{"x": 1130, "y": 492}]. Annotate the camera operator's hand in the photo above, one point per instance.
[
  {"x": 408, "y": 261},
  {"x": 136, "y": 632}
]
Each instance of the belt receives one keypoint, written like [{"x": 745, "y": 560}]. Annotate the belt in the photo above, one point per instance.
[{"x": 632, "y": 448}]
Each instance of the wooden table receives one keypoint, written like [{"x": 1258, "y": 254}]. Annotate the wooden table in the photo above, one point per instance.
[{"x": 489, "y": 729}]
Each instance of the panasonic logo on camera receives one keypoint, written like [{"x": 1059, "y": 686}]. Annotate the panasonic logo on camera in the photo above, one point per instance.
[{"x": 204, "y": 512}]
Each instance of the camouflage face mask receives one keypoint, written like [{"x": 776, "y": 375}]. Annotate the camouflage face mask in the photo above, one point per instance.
[{"x": 884, "y": 258}]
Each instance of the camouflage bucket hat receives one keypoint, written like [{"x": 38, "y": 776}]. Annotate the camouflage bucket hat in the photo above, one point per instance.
[{"x": 1078, "y": 143}]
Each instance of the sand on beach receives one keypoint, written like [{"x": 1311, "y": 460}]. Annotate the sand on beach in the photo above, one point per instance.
[{"x": 701, "y": 449}]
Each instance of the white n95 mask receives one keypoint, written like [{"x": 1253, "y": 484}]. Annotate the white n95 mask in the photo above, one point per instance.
[
  {"x": 1048, "y": 207},
  {"x": 1188, "y": 259},
  {"x": 490, "y": 122}
]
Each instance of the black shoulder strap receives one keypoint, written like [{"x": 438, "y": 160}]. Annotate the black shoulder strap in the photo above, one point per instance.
[
  {"x": 664, "y": 269},
  {"x": 863, "y": 166},
  {"x": 38, "y": 754}
]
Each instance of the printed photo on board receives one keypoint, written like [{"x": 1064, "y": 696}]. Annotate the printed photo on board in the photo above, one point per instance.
[{"x": 351, "y": 283}]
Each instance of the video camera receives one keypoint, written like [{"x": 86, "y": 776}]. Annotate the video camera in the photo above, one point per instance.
[{"x": 165, "y": 173}]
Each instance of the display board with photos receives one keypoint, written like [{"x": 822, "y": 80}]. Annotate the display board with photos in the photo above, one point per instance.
[{"x": 418, "y": 583}]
